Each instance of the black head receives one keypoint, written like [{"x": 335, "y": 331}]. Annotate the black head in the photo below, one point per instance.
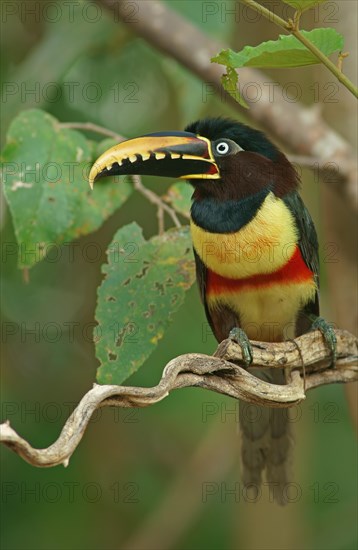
[
  {"x": 246, "y": 137},
  {"x": 221, "y": 158},
  {"x": 248, "y": 163}
]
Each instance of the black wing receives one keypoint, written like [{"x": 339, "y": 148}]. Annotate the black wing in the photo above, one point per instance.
[
  {"x": 308, "y": 245},
  {"x": 222, "y": 319},
  {"x": 201, "y": 273}
]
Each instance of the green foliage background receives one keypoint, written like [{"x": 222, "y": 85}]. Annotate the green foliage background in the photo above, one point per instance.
[{"x": 128, "y": 466}]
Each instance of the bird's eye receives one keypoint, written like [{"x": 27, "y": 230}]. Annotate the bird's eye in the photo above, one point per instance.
[{"x": 222, "y": 148}]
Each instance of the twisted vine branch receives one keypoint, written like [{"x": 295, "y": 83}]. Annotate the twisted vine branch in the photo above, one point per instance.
[{"x": 219, "y": 373}]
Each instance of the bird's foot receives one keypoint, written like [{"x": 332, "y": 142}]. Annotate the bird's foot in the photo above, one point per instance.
[
  {"x": 328, "y": 334},
  {"x": 239, "y": 336}
]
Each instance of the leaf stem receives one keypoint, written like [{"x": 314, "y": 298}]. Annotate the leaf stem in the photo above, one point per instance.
[
  {"x": 92, "y": 128},
  {"x": 343, "y": 79},
  {"x": 155, "y": 199},
  {"x": 293, "y": 29},
  {"x": 270, "y": 15},
  {"x": 160, "y": 216}
]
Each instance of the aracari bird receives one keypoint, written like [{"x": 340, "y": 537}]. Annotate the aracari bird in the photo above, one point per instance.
[{"x": 256, "y": 254}]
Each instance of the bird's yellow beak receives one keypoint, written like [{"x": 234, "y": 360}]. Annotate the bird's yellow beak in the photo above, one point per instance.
[{"x": 170, "y": 154}]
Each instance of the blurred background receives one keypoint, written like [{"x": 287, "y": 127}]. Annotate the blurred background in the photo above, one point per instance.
[{"x": 166, "y": 477}]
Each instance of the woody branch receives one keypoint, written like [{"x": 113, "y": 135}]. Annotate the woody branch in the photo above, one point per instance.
[{"x": 306, "y": 360}]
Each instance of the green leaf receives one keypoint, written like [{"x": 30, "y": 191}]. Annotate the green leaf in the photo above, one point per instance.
[
  {"x": 45, "y": 170},
  {"x": 179, "y": 196},
  {"x": 287, "y": 51},
  {"x": 144, "y": 284},
  {"x": 229, "y": 82},
  {"x": 303, "y": 5}
]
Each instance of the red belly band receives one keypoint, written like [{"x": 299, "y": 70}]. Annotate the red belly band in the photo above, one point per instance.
[{"x": 294, "y": 271}]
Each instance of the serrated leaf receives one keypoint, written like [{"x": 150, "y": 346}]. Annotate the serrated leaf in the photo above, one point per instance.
[
  {"x": 230, "y": 84},
  {"x": 287, "y": 51},
  {"x": 45, "y": 170},
  {"x": 303, "y": 5},
  {"x": 144, "y": 284},
  {"x": 179, "y": 196}
]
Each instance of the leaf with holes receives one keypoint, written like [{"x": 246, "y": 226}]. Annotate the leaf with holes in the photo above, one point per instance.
[
  {"x": 230, "y": 81},
  {"x": 45, "y": 169},
  {"x": 144, "y": 284},
  {"x": 287, "y": 51}
]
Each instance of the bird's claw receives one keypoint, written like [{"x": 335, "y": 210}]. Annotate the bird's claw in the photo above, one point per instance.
[
  {"x": 328, "y": 334},
  {"x": 239, "y": 336}
]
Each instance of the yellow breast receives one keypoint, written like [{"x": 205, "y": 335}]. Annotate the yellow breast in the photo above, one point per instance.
[{"x": 264, "y": 245}]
